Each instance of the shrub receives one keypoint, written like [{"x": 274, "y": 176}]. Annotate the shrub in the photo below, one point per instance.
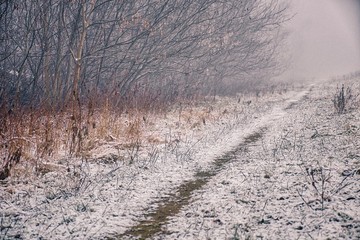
[{"x": 341, "y": 99}]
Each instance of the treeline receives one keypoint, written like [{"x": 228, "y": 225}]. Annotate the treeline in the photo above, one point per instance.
[{"x": 54, "y": 53}]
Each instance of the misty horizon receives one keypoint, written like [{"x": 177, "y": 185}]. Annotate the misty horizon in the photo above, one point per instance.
[{"x": 324, "y": 38}]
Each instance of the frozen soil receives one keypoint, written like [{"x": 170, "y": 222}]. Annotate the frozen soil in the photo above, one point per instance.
[{"x": 299, "y": 180}]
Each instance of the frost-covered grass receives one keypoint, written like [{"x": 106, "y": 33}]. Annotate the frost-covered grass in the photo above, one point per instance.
[
  {"x": 300, "y": 182},
  {"x": 140, "y": 159},
  {"x": 127, "y": 162}
]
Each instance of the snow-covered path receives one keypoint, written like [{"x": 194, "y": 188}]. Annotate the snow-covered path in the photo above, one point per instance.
[
  {"x": 296, "y": 183},
  {"x": 239, "y": 140},
  {"x": 284, "y": 167}
]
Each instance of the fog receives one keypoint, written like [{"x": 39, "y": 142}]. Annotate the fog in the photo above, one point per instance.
[{"x": 324, "y": 38}]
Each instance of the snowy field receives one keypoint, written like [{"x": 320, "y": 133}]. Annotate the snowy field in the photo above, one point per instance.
[{"x": 299, "y": 179}]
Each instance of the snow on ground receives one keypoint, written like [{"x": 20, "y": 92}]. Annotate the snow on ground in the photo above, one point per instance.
[
  {"x": 300, "y": 182},
  {"x": 95, "y": 197},
  {"x": 272, "y": 190}
]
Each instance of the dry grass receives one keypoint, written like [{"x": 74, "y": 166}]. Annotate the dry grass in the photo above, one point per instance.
[{"x": 39, "y": 138}]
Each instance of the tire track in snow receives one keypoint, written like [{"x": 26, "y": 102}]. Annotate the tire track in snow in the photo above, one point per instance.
[{"x": 172, "y": 205}]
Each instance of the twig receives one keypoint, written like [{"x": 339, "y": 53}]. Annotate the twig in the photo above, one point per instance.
[{"x": 304, "y": 200}]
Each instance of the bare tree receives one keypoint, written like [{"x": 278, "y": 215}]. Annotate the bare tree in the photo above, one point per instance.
[{"x": 56, "y": 52}]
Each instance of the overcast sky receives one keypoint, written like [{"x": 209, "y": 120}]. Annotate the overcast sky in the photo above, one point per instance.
[{"x": 324, "y": 39}]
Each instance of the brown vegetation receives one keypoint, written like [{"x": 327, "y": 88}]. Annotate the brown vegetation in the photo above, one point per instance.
[{"x": 70, "y": 69}]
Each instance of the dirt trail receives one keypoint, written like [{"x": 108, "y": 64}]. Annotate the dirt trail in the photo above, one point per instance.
[
  {"x": 301, "y": 180},
  {"x": 155, "y": 222},
  {"x": 287, "y": 166},
  {"x": 105, "y": 196}
]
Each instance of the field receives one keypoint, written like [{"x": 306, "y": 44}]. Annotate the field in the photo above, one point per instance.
[{"x": 279, "y": 164}]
